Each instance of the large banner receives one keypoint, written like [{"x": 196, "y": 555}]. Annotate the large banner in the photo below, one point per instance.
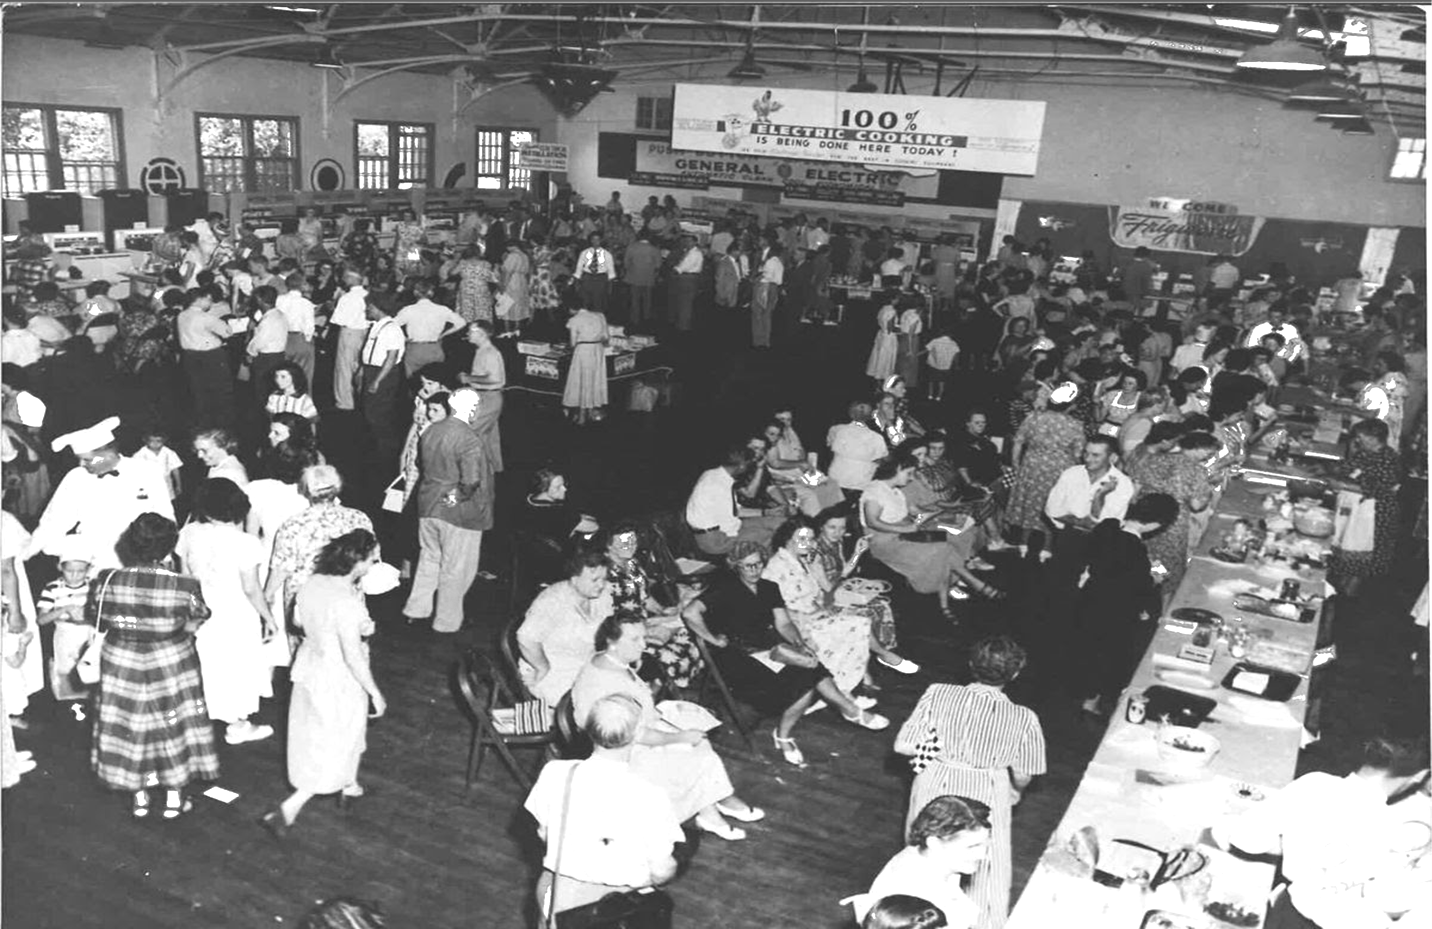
[
  {"x": 883, "y": 130},
  {"x": 1183, "y": 230},
  {"x": 659, "y": 165}
]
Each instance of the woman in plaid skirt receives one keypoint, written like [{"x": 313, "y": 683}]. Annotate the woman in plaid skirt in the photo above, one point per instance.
[{"x": 152, "y": 728}]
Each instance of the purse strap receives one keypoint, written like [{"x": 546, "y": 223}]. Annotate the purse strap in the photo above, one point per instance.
[
  {"x": 99, "y": 607},
  {"x": 551, "y": 921}
]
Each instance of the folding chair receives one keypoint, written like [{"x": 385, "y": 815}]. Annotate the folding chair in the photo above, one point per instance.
[
  {"x": 728, "y": 700},
  {"x": 483, "y": 694},
  {"x": 509, "y": 652},
  {"x": 571, "y": 737}
]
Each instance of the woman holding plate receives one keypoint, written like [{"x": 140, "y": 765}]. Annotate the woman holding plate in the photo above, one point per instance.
[{"x": 832, "y": 526}]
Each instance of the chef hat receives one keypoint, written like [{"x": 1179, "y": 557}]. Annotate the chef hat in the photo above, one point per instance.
[
  {"x": 1064, "y": 393},
  {"x": 73, "y": 548},
  {"x": 464, "y": 402},
  {"x": 30, "y": 409},
  {"x": 92, "y": 438}
]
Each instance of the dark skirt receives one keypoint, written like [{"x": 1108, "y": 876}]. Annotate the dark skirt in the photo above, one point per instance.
[{"x": 769, "y": 691}]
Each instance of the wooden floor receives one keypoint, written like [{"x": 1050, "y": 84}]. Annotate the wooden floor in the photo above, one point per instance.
[{"x": 438, "y": 857}]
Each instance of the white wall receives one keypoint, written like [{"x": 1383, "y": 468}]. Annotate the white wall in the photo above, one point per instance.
[
  {"x": 1112, "y": 144},
  {"x": 40, "y": 70}
]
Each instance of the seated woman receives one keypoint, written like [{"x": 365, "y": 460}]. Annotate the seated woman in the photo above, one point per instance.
[
  {"x": 637, "y": 586},
  {"x": 552, "y": 523},
  {"x": 758, "y": 651},
  {"x": 890, "y": 424},
  {"x": 832, "y": 526},
  {"x": 930, "y": 562},
  {"x": 679, "y": 761},
  {"x": 948, "y": 840},
  {"x": 556, "y": 635},
  {"x": 795, "y": 479},
  {"x": 841, "y": 640},
  {"x": 897, "y": 386}
]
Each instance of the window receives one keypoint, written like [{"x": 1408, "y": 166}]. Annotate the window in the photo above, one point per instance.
[
  {"x": 497, "y": 161},
  {"x": 653, "y": 113},
  {"x": 253, "y": 154},
  {"x": 1410, "y": 162},
  {"x": 394, "y": 156},
  {"x": 55, "y": 148}
]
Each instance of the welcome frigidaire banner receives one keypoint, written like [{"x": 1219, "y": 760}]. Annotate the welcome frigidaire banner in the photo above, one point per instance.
[
  {"x": 1171, "y": 230},
  {"x": 884, "y": 130}
]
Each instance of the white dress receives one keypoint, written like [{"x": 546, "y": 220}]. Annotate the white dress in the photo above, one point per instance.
[
  {"x": 230, "y": 644},
  {"x": 16, "y": 684},
  {"x": 882, "y": 354}
]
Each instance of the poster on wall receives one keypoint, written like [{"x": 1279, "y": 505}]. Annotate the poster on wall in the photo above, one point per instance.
[
  {"x": 1183, "y": 230},
  {"x": 542, "y": 156},
  {"x": 885, "y": 130},
  {"x": 659, "y": 164}
]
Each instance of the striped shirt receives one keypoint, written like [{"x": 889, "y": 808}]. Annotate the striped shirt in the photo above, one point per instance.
[
  {"x": 301, "y": 404},
  {"x": 977, "y": 727}
]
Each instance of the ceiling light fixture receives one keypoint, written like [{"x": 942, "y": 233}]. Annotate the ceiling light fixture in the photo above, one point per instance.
[
  {"x": 863, "y": 84},
  {"x": 1318, "y": 90},
  {"x": 1284, "y": 53},
  {"x": 749, "y": 69},
  {"x": 1360, "y": 127},
  {"x": 327, "y": 60},
  {"x": 1341, "y": 112}
]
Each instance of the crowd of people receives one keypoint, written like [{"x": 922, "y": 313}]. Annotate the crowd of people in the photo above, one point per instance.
[{"x": 179, "y": 577}]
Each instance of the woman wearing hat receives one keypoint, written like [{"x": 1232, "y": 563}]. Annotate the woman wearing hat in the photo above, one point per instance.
[{"x": 1049, "y": 441}]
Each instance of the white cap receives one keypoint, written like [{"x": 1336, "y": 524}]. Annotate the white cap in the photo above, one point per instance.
[
  {"x": 1064, "y": 393},
  {"x": 73, "y": 548},
  {"x": 84, "y": 441}
]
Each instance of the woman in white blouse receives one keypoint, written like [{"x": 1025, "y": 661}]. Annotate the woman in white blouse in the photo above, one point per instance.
[
  {"x": 930, "y": 563},
  {"x": 948, "y": 840}
]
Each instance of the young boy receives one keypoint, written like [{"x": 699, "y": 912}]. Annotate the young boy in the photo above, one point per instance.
[
  {"x": 62, "y": 602},
  {"x": 165, "y": 458},
  {"x": 940, "y": 356}
]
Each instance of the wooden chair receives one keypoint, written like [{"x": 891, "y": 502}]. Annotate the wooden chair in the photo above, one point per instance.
[
  {"x": 572, "y": 738},
  {"x": 712, "y": 674},
  {"x": 508, "y": 651},
  {"x": 483, "y": 691}
]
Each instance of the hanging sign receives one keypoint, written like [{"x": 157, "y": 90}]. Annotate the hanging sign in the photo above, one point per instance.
[
  {"x": 1183, "y": 230},
  {"x": 543, "y": 156},
  {"x": 887, "y": 130}
]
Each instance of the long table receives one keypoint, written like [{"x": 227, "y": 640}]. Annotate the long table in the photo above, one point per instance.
[{"x": 1128, "y": 792}]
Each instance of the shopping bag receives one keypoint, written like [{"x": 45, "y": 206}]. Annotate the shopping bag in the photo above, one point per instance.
[{"x": 1354, "y": 522}]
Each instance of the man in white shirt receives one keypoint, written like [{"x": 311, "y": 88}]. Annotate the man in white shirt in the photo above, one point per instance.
[
  {"x": 685, "y": 278},
  {"x": 611, "y": 830},
  {"x": 350, "y": 315},
  {"x": 97, "y": 501},
  {"x": 1335, "y": 834},
  {"x": 1191, "y": 353},
  {"x": 595, "y": 271},
  {"x": 767, "y": 290},
  {"x": 857, "y": 448},
  {"x": 267, "y": 342},
  {"x": 721, "y": 239},
  {"x": 1083, "y": 496},
  {"x": 382, "y": 350},
  {"x": 427, "y": 324},
  {"x": 299, "y": 311},
  {"x": 713, "y": 515},
  {"x": 1277, "y": 322},
  {"x": 817, "y": 235},
  {"x": 1223, "y": 280}
]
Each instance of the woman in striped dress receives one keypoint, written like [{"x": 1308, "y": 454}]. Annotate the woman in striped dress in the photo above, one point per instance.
[
  {"x": 152, "y": 728},
  {"x": 971, "y": 741}
]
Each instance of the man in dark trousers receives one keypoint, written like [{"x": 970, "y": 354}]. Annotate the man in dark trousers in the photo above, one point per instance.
[
  {"x": 595, "y": 271},
  {"x": 382, "y": 377}
]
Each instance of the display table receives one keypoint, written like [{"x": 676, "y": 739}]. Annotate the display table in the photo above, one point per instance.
[
  {"x": 1129, "y": 792},
  {"x": 878, "y": 296},
  {"x": 546, "y": 373}
]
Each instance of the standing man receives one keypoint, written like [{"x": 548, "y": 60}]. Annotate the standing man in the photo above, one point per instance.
[
  {"x": 206, "y": 361},
  {"x": 770, "y": 276},
  {"x": 427, "y": 324},
  {"x": 96, "y": 502},
  {"x": 640, "y": 264},
  {"x": 1138, "y": 279},
  {"x": 382, "y": 350},
  {"x": 299, "y": 311},
  {"x": 350, "y": 315},
  {"x": 1223, "y": 281},
  {"x": 1082, "y": 497},
  {"x": 595, "y": 271},
  {"x": 685, "y": 279},
  {"x": 267, "y": 343},
  {"x": 455, "y": 495}
]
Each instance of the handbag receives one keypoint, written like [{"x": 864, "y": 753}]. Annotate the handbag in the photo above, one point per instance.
[
  {"x": 395, "y": 495},
  {"x": 87, "y": 668},
  {"x": 646, "y": 908},
  {"x": 786, "y": 653},
  {"x": 1355, "y": 522},
  {"x": 504, "y": 304}
]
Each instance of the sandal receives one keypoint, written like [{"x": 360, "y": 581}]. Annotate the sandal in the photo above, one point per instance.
[
  {"x": 721, "y": 829},
  {"x": 175, "y": 804},
  {"x": 788, "y": 749},
  {"x": 751, "y": 814},
  {"x": 867, "y": 720},
  {"x": 141, "y": 804}
]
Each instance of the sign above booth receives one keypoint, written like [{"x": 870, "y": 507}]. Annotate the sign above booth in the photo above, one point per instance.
[
  {"x": 1219, "y": 231},
  {"x": 885, "y": 130},
  {"x": 543, "y": 156}
]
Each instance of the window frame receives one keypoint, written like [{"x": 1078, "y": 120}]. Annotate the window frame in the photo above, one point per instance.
[
  {"x": 1397, "y": 152},
  {"x": 509, "y": 161},
  {"x": 249, "y": 158},
  {"x": 54, "y": 161},
  {"x": 656, "y": 105},
  {"x": 394, "y": 128}
]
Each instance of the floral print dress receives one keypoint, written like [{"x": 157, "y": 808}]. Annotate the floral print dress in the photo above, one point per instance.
[
  {"x": 840, "y": 640},
  {"x": 541, "y": 291},
  {"x": 1377, "y": 475},
  {"x": 474, "y": 289},
  {"x": 1052, "y": 442},
  {"x": 630, "y": 585},
  {"x": 1182, "y": 478}
]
